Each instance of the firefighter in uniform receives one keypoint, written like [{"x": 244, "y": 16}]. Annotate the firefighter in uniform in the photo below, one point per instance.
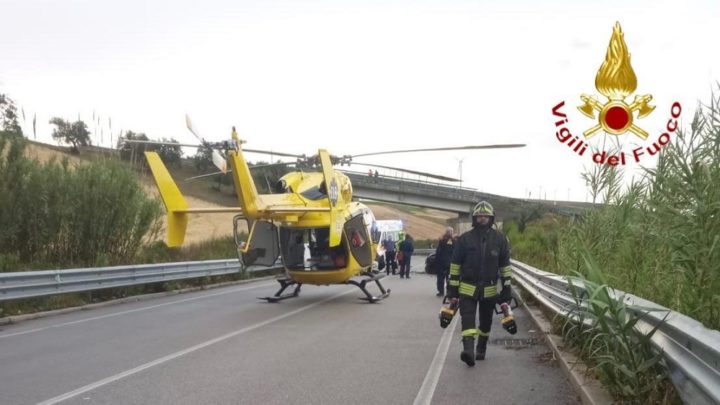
[{"x": 480, "y": 257}]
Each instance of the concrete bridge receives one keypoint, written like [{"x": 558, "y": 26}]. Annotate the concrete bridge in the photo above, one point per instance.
[{"x": 450, "y": 198}]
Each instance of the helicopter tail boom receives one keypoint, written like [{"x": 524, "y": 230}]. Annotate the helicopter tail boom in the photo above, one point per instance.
[
  {"x": 175, "y": 204},
  {"x": 332, "y": 189},
  {"x": 244, "y": 184}
]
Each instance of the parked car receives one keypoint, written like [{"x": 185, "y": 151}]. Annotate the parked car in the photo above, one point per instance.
[{"x": 430, "y": 267}]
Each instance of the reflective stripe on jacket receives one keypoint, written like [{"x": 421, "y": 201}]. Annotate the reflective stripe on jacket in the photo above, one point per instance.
[{"x": 480, "y": 258}]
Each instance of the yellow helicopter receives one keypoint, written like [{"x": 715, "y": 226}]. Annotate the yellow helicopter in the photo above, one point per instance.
[{"x": 311, "y": 221}]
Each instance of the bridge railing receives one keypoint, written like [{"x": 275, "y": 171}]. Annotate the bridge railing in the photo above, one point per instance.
[
  {"x": 445, "y": 190},
  {"x": 28, "y": 284},
  {"x": 691, "y": 351}
]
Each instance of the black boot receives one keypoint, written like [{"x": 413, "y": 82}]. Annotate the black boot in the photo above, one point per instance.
[
  {"x": 468, "y": 353},
  {"x": 481, "y": 348}
]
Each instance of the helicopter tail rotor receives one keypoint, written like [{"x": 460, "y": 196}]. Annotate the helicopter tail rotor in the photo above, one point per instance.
[{"x": 217, "y": 159}]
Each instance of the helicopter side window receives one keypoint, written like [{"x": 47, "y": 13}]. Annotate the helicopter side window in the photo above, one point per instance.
[
  {"x": 360, "y": 243},
  {"x": 281, "y": 186},
  {"x": 314, "y": 193}
]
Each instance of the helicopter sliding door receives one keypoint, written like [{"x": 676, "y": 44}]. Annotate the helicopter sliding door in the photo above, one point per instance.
[
  {"x": 262, "y": 247},
  {"x": 359, "y": 240}
]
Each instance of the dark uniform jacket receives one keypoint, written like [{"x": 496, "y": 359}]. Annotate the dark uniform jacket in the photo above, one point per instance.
[
  {"x": 406, "y": 246},
  {"x": 444, "y": 252},
  {"x": 480, "y": 257}
]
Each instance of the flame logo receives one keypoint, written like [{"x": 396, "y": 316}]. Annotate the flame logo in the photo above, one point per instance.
[{"x": 616, "y": 78}]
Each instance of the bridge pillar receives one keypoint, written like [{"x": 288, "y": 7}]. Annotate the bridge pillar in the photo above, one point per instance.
[{"x": 461, "y": 224}]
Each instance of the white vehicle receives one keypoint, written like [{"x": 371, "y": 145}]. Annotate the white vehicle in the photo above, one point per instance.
[{"x": 389, "y": 229}]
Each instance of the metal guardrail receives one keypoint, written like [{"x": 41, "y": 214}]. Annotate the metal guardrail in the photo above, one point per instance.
[
  {"x": 691, "y": 351},
  {"x": 29, "y": 284}
]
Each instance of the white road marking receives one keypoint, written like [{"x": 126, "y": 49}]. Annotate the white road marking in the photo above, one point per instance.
[
  {"x": 427, "y": 389},
  {"x": 183, "y": 352},
  {"x": 95, "y": 318}
]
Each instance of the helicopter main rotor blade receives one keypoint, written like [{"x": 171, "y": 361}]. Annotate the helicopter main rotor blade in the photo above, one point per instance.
[
  {"x": 500, "y": 146},
  {"x": 189, "y": 145},
  {"x": 161, "y": 143},
  {"x": 230, "y": 170},
  {"x": 268, "y": 152},
  {"x": 435, "y": 176},
  {"x": 207, "y": 175}
]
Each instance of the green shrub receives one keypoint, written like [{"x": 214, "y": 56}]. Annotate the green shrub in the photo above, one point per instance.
[
  {"x": 95, "y": 214},
  {"x": 537, "y": 242}
]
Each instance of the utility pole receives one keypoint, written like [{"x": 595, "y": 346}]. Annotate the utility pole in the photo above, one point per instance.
[{"x": 460, "y": 164}]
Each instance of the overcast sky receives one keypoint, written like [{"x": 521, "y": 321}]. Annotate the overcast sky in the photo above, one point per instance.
[{"x": 354, "y": 77}]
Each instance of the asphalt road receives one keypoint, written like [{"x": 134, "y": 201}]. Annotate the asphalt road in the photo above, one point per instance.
[{"x": 224, "y": 346}]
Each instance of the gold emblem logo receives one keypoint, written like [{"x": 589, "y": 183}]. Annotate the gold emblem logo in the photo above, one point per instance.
[{"x": 616, "y": 80}]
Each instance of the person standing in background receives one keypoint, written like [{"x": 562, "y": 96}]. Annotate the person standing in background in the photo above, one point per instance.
[
  {"x": 390, "y": 263},
  {"x": 443, "y": 254},
  {"x": 406, "y": 248}
]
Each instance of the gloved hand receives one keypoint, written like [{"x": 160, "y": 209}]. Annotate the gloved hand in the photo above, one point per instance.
[{"x": 505, "y": 294}]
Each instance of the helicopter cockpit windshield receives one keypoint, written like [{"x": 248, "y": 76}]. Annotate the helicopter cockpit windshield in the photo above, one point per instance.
[{"x": 308, "y": 249}]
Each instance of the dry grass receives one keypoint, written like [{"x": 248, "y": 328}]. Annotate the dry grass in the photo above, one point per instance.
[{"x": 45, "y": 154}]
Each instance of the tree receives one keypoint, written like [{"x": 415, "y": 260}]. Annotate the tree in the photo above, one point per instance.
[
  {"x": 8, "y": 116},
  {"x": 203, "y": 159},
  {"x": 134, "y": 152},
  {"x": 130, "y": 151},
  {"x": 170, "y": 154},
  {"x": 75, "y": 133}
]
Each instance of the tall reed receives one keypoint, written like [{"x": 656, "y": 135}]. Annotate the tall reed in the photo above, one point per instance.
[
  {"x": 659, "y": 237},
  {"x": 601, "y": 328}
]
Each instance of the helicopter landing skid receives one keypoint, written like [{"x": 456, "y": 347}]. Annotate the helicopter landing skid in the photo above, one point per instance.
[
  {"x": 284, "y": 283},
  {"x": 361, "y": 285}
]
